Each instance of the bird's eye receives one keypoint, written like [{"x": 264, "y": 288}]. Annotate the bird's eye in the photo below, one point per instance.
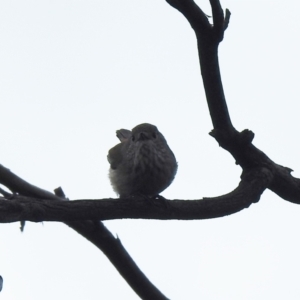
[
  {"x": 154, "y": 135},
  {"x": 133, "y": 138}
]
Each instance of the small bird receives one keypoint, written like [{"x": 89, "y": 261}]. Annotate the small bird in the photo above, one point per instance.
[{"x": 142, "y": 164}]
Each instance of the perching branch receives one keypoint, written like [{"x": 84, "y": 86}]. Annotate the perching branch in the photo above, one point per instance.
[
  {"x": 249, "y": 190},
  {"x": 94, "y": 231}
]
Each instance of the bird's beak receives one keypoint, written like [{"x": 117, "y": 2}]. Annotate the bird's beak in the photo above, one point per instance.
[{"x": 143, "y": 136}]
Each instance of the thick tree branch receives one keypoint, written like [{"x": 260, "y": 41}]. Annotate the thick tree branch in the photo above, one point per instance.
[
  {"x": 94, "y": 231},
  {"x": 249, "y": 191},
  {"x": 239, "y": 144}
]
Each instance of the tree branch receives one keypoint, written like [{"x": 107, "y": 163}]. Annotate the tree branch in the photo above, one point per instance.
[
  {"x": 94, "y": 231},
  {"x": 208, "y": 38},
  {"x": 239, "y": 144},
  {"x": 112, "y": 247},
  {"x": 249, "y": 191},
  {"x": 259, "y": 172}
]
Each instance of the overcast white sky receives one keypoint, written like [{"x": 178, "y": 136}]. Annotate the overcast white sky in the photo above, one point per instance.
[{"x": 72, "y": 72}]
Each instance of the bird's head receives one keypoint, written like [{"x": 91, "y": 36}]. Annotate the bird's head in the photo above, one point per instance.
[{"x": 145, "y": 132}]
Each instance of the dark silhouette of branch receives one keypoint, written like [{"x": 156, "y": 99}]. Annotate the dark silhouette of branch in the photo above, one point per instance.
[
  {"x": 259, "y": 172},
  {"x": 208, "y": 38},
  {"x": 249, "y": 190},
  {"x": 112, "y": 247},
  {"x": 94, "y": 231},
  {"x": 239, "y": 144}
]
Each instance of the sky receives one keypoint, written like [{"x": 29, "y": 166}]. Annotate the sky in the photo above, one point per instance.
[{"x": 73, "y": 72}]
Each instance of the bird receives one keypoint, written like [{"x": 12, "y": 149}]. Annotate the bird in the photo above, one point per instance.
[{"x": 142, "y": 163}]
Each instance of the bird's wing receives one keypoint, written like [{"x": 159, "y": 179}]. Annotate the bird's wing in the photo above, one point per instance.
[{"x": 115, "y": 156}]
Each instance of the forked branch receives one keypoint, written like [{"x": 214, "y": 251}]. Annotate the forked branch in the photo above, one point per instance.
[
  {"x": 239, "y": 144},
  {"x": 92, "y": 230},
  {"x": 259, "y": 172}
]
